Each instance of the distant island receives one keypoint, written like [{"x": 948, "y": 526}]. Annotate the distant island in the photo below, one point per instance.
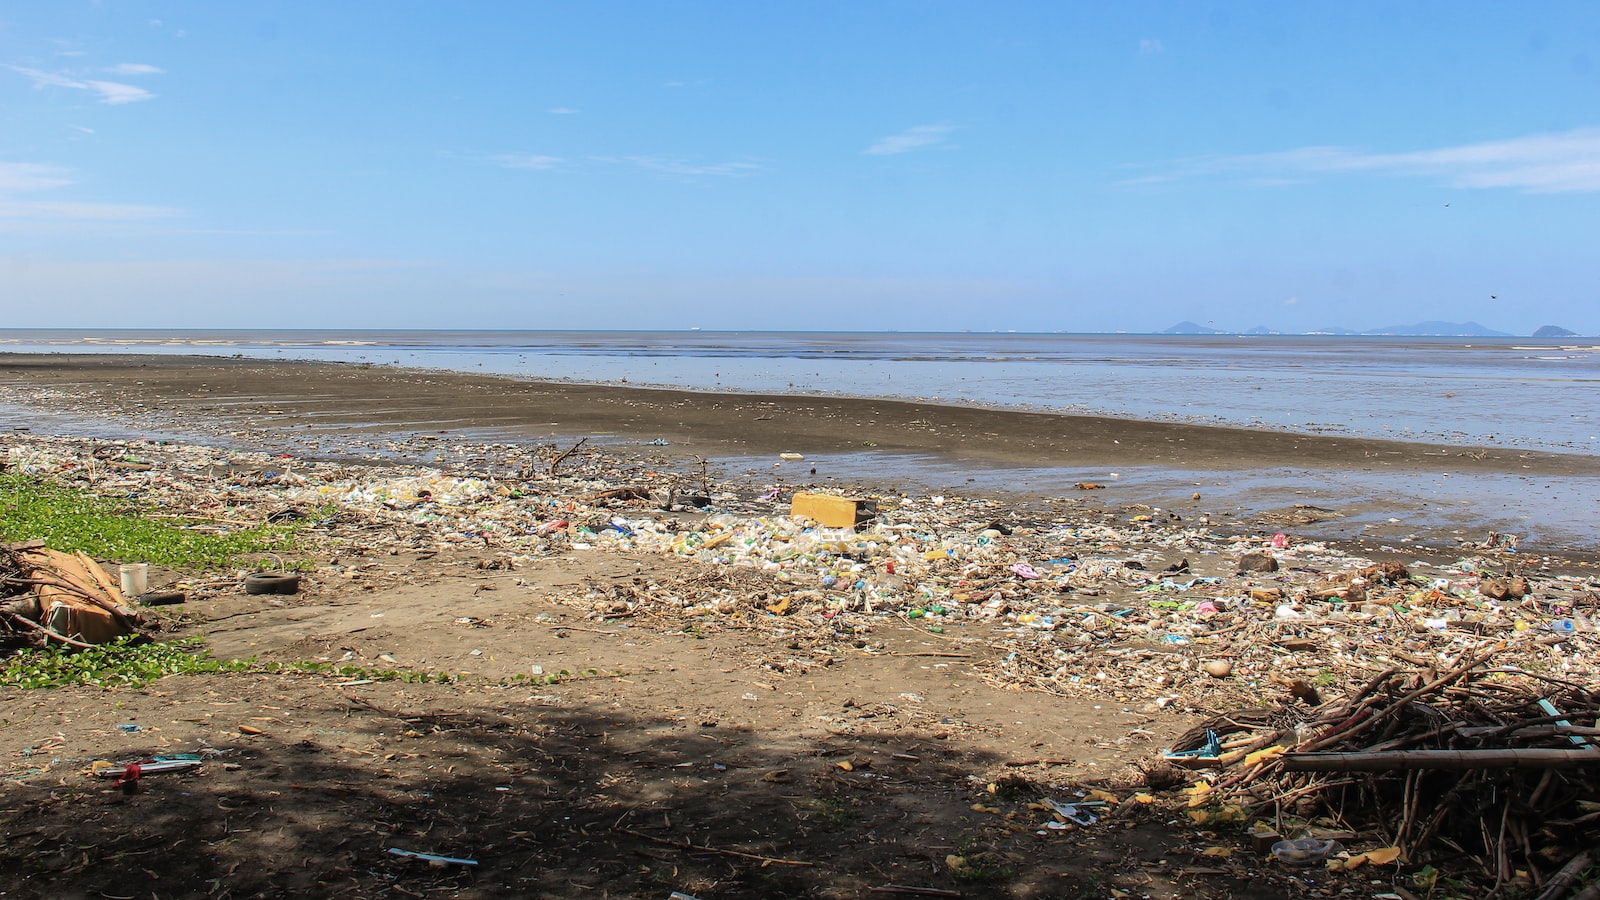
[
  {"x": 1548, "y": 331},
  {"x": 1420, "y": 329},
  {"x": 1192, "y": 328},
  {"x": 1439, "y": 329}
]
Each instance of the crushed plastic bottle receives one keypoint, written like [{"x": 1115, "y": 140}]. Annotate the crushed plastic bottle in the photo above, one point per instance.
[{"x": 1305, "y": 851}]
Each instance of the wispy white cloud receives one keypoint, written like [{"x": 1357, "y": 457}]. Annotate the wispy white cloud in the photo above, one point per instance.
[
  {"x": 1562, "y": 162},
  {"x": 1151, "y": 45},
  {"x": 660, "y": 165},
  {"x": 113, "y": 93},
  {"x": 134, "y": 69},
  {"x": 914, "y": 138},
  {"x": 667, "y": 166},
  {"x": 526, "y": 161},
  {"x": 58, "y": 209},
  {"x": 16, "y": 178},
  {"x": 29, "y": 178},
  {"x": 561, "y": 111}
]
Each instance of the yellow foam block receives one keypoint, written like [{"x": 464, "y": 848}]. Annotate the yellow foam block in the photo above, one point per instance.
[{"x": 832, "y": 511}]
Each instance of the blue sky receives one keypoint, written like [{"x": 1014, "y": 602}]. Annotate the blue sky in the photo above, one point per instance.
[{"x": 927, "y": 165}]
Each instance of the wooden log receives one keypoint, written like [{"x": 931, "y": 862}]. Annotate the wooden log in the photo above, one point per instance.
[
  {"x": 1566, "y": 879},
  {"x": 1455, "y": 760},
  {"x": 1536, "y": 729}
]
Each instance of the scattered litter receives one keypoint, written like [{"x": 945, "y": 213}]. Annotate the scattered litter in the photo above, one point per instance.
[
  {"x": 431, "y": 859},
  {"x": 126, "y": 776},
  {"x": 1332, "y": 659},
  {"x": 1304, "y": 852},
  {"x": 1076, "y": 813}
]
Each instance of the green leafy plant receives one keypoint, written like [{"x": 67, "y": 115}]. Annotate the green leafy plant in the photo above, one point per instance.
[
  {"x": 124, "y": 662},
  {"x": 837, "y": 812},
  {"x": 979, "y": 865},
  {"x": 135, "y": 661},
  {"x": 68, "y": 519}
]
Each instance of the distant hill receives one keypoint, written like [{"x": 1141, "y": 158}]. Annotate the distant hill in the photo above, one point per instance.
[
  {"x": 1421, "y": 329},
  {"x": 1554, "y": 331},
  {"x": 1192, "y": 328},
  {"x": 1439, "y": 329}
]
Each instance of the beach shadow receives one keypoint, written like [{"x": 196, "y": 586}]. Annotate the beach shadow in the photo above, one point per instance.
[{"x": 546, "y": 800}]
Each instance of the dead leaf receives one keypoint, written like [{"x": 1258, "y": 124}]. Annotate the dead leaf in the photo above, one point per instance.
[{"x": 1382, "y": 857}]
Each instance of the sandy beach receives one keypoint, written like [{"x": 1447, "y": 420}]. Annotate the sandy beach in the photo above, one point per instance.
[{"x": 611, "y": 670}]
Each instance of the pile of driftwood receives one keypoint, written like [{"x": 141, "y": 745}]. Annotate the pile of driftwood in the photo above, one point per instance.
[
  {"x": 1486, "y": 765},
  {"x": 47, "y": 596}
]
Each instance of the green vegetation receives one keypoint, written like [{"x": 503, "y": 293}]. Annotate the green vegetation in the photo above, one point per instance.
[
  {"x": 136, "y": 661},
  {"x": 68, "y": 519},
  {"x": 125, "y": 662},
  {"x": 362, "y": 673},
  {"x": 969, "y": 863},
  {"x": 837, "y": 812}
]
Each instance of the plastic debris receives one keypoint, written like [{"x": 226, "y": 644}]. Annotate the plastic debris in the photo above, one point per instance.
[
  {"x": 432, "y": 859},
  {"x": 1305, "y": 851}
]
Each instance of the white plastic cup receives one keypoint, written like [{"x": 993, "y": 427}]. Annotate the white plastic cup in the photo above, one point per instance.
[{"x": 135, "y": 579}]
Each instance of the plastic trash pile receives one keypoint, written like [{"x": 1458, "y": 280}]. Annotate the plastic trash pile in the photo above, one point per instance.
[{"x": 1084, "y": 601}]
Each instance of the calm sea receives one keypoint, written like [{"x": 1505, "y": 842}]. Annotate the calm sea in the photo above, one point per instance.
[{"x": 1514, "y": 392}]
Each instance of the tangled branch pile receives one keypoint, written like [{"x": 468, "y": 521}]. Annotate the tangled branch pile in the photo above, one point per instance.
[{"x": 1493, "y": 763}]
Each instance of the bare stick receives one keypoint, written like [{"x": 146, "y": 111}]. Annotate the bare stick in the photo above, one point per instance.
[
  {"x": 1454, "y": 760},
  {"x": 574, "y": 449},
  {"x": 51, "y": 633},
  {"x": 685, "y": 845}
]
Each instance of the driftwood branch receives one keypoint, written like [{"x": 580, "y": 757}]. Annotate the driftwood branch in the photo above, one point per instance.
[
  {"x": 1394, "y": 760},
  {"x": 1567, "y": 878},
  {"x": 571, "y": 450}
]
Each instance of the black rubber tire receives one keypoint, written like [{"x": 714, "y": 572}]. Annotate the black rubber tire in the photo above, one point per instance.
[{"x": 271, "y": 583}]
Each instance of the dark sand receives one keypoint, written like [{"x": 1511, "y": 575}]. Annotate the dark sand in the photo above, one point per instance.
[
  {"x": 235, "y": 393},
  {"x": 1367, "y": 489}
]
